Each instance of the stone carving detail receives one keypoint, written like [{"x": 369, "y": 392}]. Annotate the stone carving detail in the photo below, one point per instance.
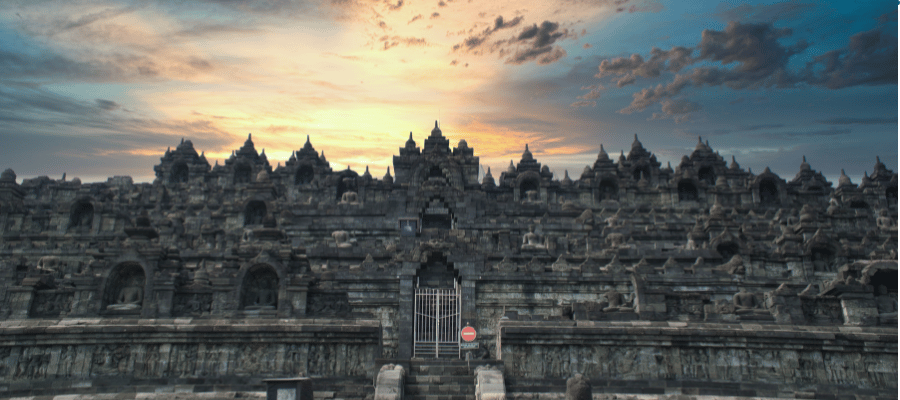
[
  {"x": 327, "y": 304},
  {"x": 51, "y": 303},
  {"x": 191, "y": 304}
]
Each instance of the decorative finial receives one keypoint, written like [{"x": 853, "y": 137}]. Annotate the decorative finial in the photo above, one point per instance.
[
  {"x": 804, "y": 158},
  {"x": 435, "y": 123},
  {"x": 410, "y": 135},
  {"x": 526, "y": 146},
  {"x": 182, "y": 140}
]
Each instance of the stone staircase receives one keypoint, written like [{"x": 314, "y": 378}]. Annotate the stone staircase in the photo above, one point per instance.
[{"x": 440, "y": 380}]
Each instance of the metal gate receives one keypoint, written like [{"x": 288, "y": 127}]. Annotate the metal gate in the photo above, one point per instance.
[{"x": 436, "y": 326}]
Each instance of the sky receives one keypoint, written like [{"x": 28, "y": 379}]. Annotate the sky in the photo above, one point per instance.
[{"x": 96, "y": 89}]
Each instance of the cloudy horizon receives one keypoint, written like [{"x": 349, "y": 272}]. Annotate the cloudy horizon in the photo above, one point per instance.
[{"x": 104, "y": 87}]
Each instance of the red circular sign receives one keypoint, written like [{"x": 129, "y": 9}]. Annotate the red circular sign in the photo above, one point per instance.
[{"x": 467, "y": 334}]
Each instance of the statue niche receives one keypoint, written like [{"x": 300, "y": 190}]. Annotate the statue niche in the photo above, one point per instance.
[
  {"x": 242, "y": 173},
  {"x": 82, "y": 215},
  {"x": 125, "y": 288},
  {"x": 260, "y": 289},
  {"x": 768, "y": 192},
  {"x": 608, "y": 190},
  {"x": 254, "y": 213},
  {"x": 180, "y": 173},
  {"x": 687, "y": 191}
]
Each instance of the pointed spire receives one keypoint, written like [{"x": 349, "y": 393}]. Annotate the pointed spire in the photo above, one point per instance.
[
  {"x": 512, "y": 168},
  {"x": 602, "y": 156},
  {"x": 182, "y": 140},
  {"x": 844, "y": 180},
  {"x": 767, "y": 171},
  {"x": 436, "y": 132},
  {"x": 488, "y": 179},
  {"x": 636, "y": 143}
]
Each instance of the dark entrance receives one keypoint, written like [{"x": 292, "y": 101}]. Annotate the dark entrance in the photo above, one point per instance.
[{"x": 436, "y": 320}]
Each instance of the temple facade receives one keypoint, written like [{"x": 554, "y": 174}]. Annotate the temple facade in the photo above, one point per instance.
[{"x": 702, "y": 280}]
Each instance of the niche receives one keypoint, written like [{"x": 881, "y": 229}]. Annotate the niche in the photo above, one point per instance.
[
  {"x": 687, "y": 191},
  {"x": 706, "y": 174},
  {"x": 82, "y": 215},
  {"x": 304, "y": 175},
  {"x": 768, "y": 193},
  {"x": 728, "y": 250},
  {"x": 254, "y": 213},
  {"x": 260, "y": 288},
  {"x": 125, "y": 288},
  {"x": 608, "y": 190},
  {"x": 179, "y": 174},
  {"x": 641, "y": 172},
  {"x": 242, "y": 173}
]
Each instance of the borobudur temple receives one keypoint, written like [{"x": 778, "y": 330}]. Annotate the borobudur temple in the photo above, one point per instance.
[{"x": 635, "y": 280}]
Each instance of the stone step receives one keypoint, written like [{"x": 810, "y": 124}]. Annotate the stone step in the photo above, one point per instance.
[
  {"x": 440, "y": 379},
  {"x": 447, "y": 389},
  {"x": 440, "y": 397},
  {"x": 436, "y": 370}
]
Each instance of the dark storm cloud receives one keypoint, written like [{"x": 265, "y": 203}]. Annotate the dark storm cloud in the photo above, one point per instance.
[
  {"x": 751, "y": 56},
  {"x": 858, "y": 121}
]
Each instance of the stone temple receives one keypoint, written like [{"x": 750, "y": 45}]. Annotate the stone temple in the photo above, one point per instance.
[{"x": 702, "y": 281}]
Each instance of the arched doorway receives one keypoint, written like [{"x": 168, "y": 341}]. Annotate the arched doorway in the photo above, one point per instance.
[{"x": 437, "y": 310}]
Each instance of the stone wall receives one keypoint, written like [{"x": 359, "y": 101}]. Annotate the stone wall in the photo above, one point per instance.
[
  {"x": 699, "y": 359},
  {"x": 72, "y": 355}
]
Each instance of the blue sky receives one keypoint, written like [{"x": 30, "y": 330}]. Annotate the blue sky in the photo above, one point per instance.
[{"x": 102, "y": 88}]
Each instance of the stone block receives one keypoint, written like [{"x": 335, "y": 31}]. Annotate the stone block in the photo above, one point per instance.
[{"x": 489, "y": 384}]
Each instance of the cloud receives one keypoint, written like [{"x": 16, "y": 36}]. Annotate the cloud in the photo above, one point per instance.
[
  {"x": 393, "y": 41},
  {"x": 808, "y": 134},
  {"x": 750, "y": 128},
  {"x": 472, "y": 42},
  {"x": 786, "y": 11},
  {"x": 538, "y": 44},
  {"x": 417, "y": 17},
  {"x": 594, "y": 91},
  {"x": 627, "y": 69},
  {"x": 869, "y": 59},
  {"x": 107, "y": 105},
  {"x": 394, "y": 7},
  {"x": 434, "y": 15},
  {"x": 751, "y": 56},
  {"x": 583, "y": 103},
  {"x": 858, "y": 121}
]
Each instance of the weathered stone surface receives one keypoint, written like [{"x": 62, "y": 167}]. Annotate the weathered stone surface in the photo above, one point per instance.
[
  {"x": 389, "y": 382},
  {"x": 489, "y": 384},
  {"x": 161, "y": 283}
]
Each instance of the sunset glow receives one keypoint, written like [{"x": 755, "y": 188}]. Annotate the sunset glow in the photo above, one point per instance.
[{"x": 102, "y": 88}]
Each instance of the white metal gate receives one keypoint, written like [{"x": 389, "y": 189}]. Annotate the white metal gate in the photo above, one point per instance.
[{"x": 436, "y": 326}]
